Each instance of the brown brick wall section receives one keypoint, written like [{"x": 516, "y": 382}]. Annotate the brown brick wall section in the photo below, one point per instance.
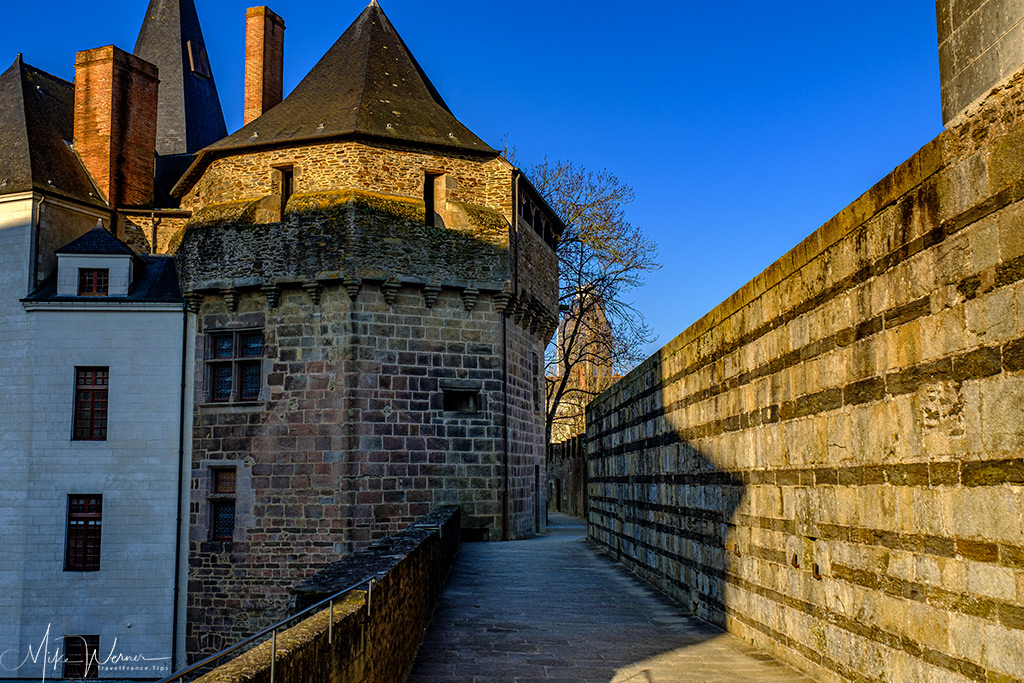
[
  {"x": 115, "y": 123},
  {"x": 264, "y": 61},
  {"x": 830, "y": 463}
]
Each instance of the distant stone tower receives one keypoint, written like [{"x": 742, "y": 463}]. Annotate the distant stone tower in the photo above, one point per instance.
[
  {"x": 981, "y": 44},
  {"x": 373, "y": 288}
]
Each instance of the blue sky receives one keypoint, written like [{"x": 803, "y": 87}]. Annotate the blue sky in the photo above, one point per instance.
[{"x": 742, "y": 126}]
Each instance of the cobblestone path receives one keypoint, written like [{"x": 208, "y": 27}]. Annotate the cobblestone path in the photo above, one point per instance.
[{"x": 554, "y": 609}]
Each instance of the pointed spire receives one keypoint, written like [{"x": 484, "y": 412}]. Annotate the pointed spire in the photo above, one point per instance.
[{"x": 189, "y": 111}]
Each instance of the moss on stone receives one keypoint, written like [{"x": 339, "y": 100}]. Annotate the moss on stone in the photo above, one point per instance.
[
  {"x": 346, "y": 230},
  {"x": 243, "y": 212}
]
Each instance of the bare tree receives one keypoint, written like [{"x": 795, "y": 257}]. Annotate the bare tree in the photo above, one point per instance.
[{"x": 602, "y": 258}]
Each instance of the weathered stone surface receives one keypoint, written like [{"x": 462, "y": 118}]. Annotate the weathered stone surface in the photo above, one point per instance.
[
  {"x": 376, "y": 630},
  {"x": 979, "y": 45},
  {"x": 828, "y": 464}
]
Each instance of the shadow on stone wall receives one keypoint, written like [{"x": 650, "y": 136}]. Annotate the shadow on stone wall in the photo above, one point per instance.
[
  {"x": 661, "y": 507},
  {"x": 829, "y": 463}
]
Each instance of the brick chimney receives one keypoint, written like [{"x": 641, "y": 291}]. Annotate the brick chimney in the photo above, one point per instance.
[
  {"x": 264, "y": 61},
  {"x": 115, "y": 123}
]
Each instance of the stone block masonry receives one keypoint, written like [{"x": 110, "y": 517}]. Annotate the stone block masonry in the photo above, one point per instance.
[
  {"x": 402, "y": 337},
  {"x": 981, "y": 43},
  {"x": 351, "y": 439},
  {"x": 375, "y": 633},
  {"x": 567, "y": 476},
  {"x": 831, "y": 463}
]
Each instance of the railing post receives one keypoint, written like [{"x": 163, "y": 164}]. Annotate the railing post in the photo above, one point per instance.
[
  {"x": 330, "y": 626},
  {"x": 273, "y": 655}
]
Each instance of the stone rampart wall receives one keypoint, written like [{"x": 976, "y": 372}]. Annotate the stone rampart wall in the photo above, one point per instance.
[
  {"x": 829, "y": 464},
  {"x": 567, "y": 476},
  {"x": 376, "y": 634},
  {"x": 981, "y": 42}
]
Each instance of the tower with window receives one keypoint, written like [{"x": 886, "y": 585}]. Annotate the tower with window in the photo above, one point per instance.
[{"x": 370, "y": 301}]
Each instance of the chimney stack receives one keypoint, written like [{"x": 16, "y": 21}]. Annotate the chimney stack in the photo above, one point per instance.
[
  {"x": 264, "y": 61},
  {"x": 115, "y": 123}
]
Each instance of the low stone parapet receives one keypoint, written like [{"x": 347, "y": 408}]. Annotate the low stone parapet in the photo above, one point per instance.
[{"x": 376, "y": 631}]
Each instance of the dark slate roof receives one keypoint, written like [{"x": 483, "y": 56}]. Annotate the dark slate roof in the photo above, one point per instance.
[
  {"x": 36, "y": 126},
  {"x": 368, "y": 86},
  {"x": 189, "y": 112},
  {"x": 155, "y": 281},
  {"x": 97, "y": 241}
]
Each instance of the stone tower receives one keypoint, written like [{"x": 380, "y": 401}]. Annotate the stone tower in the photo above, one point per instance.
[
  {"x": 981, "y": 44},
  {"x": 372, "y": 287}
]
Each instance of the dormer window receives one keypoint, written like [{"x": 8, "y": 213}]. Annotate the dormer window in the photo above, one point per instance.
[{"x": 93, "y": 281}]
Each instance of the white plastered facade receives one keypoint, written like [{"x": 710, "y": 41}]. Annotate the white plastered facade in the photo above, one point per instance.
[{"x": 128, "y": 603}]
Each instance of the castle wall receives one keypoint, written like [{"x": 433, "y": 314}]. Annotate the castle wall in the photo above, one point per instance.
[
  {"x": 527, "y": 473},
  {"x": 349, "y": 441},
  {"x": 401, "y": 370},
  {"x": 981, "y": 43},
  {"x": 829, "y": 463},
  {"x": 155, "y": 232}
]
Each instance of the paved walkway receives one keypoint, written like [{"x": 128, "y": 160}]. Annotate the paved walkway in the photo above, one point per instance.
[{"x": 552, "y": 608}]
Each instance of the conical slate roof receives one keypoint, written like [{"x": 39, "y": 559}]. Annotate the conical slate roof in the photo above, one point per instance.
[
  {"x": 189, "y": 115},
  {"x": 367, "y": 85},
  {"x": 36, "y": 129}
]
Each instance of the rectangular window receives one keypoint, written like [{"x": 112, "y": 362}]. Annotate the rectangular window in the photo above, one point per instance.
[
  {"x": 222, "y": 504},
  {"x": 198, "y": 61},
  {"x": 431, "y": 198},
  {"x": 235, "y": 368},
  {"x": 91, "y": 404},
  {"x": 81, "y": 656},
  {"x": 287, "y": 185},
  {"x": 93, "y": 281},
  {"x": 85, "y": 519},
  {"x": 538, "y": 385},
  {"x": 461, "y": 401}
]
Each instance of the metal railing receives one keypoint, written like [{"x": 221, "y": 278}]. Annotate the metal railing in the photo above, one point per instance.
[{"x": 272, "y": 631}]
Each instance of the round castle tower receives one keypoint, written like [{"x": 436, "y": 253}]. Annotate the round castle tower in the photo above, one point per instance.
[{"x": 372, "y": 289}]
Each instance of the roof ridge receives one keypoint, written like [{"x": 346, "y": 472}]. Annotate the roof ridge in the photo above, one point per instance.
[
  {"x": 19, "y": 64},
  {"x": 98, "y": 241},
  {"x": 366, "y": 60},
  {"x": 36, "y": 129}
]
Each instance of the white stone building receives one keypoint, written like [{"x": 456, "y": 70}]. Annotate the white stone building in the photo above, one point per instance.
[{"x": 91, "y": 340}]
